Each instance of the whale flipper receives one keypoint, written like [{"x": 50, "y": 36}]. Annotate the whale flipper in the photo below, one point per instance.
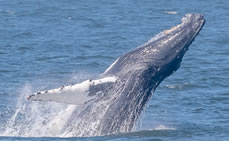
[{"x": 77, "y": 94}]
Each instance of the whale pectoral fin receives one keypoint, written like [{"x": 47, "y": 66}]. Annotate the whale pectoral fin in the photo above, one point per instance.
[
  {"x": 63, "y": 94},
  {"x": 75, "y": 94}
]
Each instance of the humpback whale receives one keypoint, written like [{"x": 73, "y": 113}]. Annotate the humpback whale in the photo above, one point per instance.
[{"x": 113, "y": 102}]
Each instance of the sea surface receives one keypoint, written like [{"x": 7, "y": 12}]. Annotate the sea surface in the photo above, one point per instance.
[{"x": 47, "y": 44}]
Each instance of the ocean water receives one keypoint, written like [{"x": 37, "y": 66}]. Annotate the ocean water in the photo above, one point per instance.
[{"x": 47, "y": 44}]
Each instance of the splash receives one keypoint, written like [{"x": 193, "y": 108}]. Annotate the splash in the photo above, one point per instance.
[
  {"x": 36, "y": 119},
  {"x": 50, "y": 119},
  {"x": 40, "y": 119}
]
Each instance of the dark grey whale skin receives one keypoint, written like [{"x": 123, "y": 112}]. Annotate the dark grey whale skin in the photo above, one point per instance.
[{"x": 141, "y": 70}]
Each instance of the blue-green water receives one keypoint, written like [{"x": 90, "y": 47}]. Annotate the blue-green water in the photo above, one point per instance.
[{"x": 45, "y": 44}]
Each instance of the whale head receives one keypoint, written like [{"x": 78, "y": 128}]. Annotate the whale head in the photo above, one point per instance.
[
  {"x": 171, "y": 45},
  {"x": 164, "y": 52}
]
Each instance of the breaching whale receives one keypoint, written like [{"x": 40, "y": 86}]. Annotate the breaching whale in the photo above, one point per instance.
[{"x": 113, "y": 102}]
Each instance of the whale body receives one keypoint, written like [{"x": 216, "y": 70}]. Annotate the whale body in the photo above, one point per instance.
[{"x": 113, "y": 102}]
